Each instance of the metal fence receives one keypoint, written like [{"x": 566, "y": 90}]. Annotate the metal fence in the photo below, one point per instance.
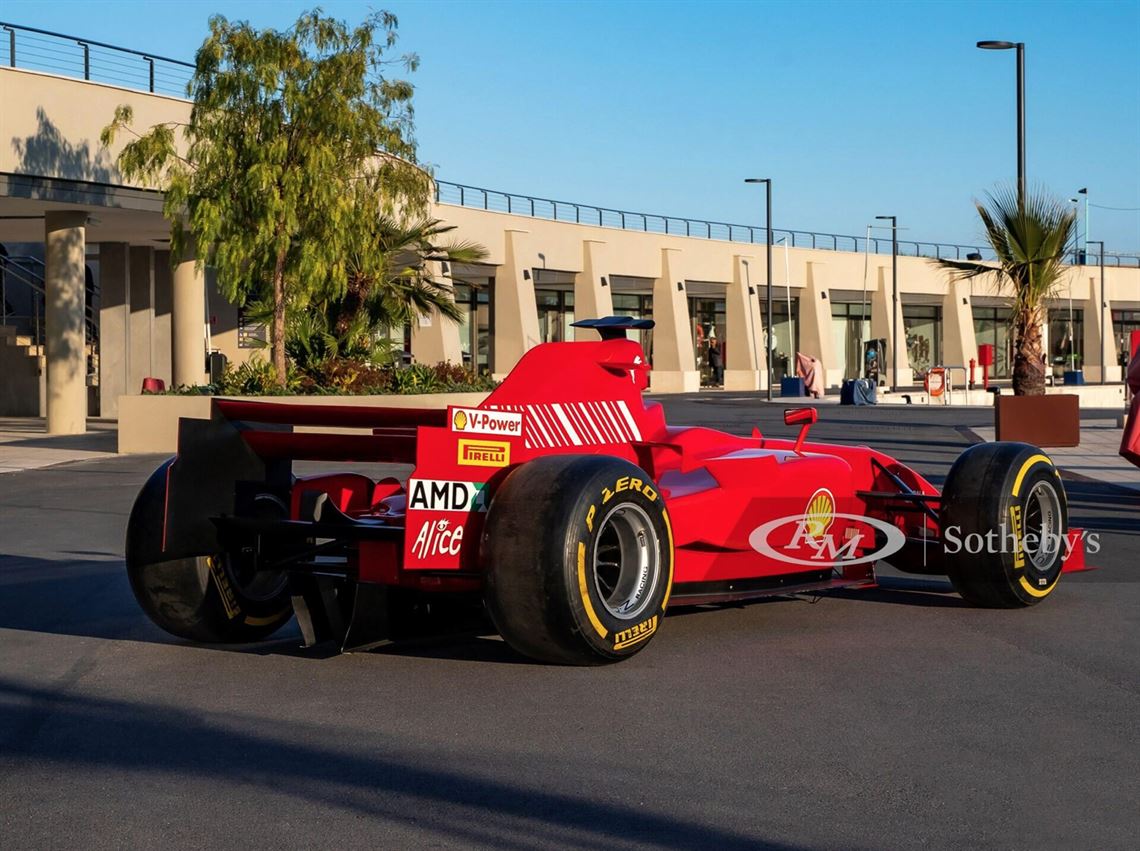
[
  {"x": 588, "y": 214},
  {"x": 71, "y": 56}
]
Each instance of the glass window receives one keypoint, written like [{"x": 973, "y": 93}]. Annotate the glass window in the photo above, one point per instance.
[
  {"x": 992, "y": 325},
  {"x": 850, "y": 328},
  {"x": 474, "y": 304},
  {"x": 707, "y": 318},
  {"x": 555, "y": 314},
  {"x": 785, "y": 335},
  {"x": 1066, "y": 339},
  {"x": 1124, "y": 322},
  {"x": 639, "y": 307},
  {"x": 923, "y": 324}
]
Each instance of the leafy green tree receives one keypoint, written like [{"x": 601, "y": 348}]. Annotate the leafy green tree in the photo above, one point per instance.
[
  {"x": 296, "y": 141},
  {"x": 1029, "y": 239}
]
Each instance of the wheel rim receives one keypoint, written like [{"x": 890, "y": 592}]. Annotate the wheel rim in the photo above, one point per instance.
[
  {"x": 257, "y": 586},
  {"x": 241, "y": 566},
  {"x": 1043, "y": 521},
  {"x": 626, "y": 562}
]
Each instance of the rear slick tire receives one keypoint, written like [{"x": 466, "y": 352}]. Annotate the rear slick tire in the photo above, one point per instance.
[
  {"x": 200, "y": 598},
  {"x": 1011, "y": 494},
  {"x": 579, "y": 556}
]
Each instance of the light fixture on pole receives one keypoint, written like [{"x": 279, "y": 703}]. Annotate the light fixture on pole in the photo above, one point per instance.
[
  {"x": 896, "y": 320},
  {"x": 1019, "y": 46},
  {"x": 1084, "y": 190},
  {"x": 767, "y": 181},
  {"x": 1100, "y": 257}
]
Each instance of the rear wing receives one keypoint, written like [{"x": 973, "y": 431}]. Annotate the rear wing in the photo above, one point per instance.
[
  {"x": 246, "y": 450},
  {"x": 392, "y": 434}
]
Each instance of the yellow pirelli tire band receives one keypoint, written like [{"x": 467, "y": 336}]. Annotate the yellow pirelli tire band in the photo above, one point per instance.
[
  {"x": 584, "y": 590},
  {"x": 1030, "y": 462},
  {"x": 1039, "y": 458}
]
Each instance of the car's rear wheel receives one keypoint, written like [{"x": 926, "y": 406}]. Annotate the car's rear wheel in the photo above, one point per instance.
[
  {"x": 212, "y": 597},
  {"x": 1004, "y": 522},
  {"x": 579, "y": 559}
]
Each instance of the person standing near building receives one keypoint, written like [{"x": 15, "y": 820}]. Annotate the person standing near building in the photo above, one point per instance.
[{"x": 716, "y": 363}]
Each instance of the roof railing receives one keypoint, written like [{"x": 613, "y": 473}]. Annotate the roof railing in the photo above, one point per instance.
[
  {"x": 590, "y": 214},
  {"x": 43, "y": 50},
  {"x": 535, "y": 207}
]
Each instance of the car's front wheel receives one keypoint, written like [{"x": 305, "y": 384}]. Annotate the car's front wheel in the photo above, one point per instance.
[{"x": 1004, "y": 524}]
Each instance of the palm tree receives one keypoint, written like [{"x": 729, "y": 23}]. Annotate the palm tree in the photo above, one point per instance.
[
  {"x": 390, "y": 275},
  {"x": 1029, "y": 239},
  {"x": 389, "y": 282}
]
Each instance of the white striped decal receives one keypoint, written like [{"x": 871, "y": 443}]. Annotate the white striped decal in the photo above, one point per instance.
[
  {"x": 559, "y": 424},
  {"x": 630, "y": 421},
  {"x": 566, "y": 423},
  {"x": 603, "y": 416}
]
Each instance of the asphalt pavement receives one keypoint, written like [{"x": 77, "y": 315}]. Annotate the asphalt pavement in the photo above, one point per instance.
[{"x": 895, "y": 718}]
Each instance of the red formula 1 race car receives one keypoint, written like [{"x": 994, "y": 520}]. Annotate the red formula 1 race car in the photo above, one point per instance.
[{"x": 566, "y": 507}]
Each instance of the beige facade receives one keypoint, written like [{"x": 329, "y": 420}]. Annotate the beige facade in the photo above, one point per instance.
[{"x": 60, "y": 188}]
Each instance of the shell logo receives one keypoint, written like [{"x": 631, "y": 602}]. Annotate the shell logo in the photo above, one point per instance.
[
  {"x": 820, "y": 513},
  {"x": 460, "y": 421}
]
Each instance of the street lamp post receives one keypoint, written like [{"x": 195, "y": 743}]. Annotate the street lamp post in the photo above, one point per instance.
[
  {"x": 768, "y": 337},
  {"x": 1100, "y": 256},
  {"x": 1076, "y": 202},
  {"x": 1019, "y": 46},
  {"x": 895, "y": 318}
]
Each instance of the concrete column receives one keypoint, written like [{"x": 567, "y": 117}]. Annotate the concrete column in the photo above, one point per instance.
[
  {"x": 884, "y": 325},
  {"x": 141, "y": 294},
  {"x": 516, "y": 314},
  {"x": 162, "y": 342},
  {"x": 959, "y": 343},
  {"x": 65, "y": 249},
  {"x": 816, "y": 338},
  {"x": 591, "y": 299},
  {"x": 744, "y": 344},
  {"x": 114, "y": 322},
  {"x": 674, "y": 363},
  {"x": 1100, "y": 349},
  {"x": 188, "y": 321},
  {"x": 435, "y": 338}
]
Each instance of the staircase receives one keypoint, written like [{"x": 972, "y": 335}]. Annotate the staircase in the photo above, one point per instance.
[
  {"x": 22, "y": 364},
  {"x": 23, "y": 368}
]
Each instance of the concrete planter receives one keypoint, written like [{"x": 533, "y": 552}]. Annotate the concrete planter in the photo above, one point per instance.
[{"x": 150, "y": 423}]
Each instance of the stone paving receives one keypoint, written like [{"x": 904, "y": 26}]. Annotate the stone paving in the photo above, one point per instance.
[
  {"x": 1097, "y": 457},
  {"x": 24, "y": 445}
]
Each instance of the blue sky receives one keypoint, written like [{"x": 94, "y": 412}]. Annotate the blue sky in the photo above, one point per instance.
[{"x": 854, "y": 109}]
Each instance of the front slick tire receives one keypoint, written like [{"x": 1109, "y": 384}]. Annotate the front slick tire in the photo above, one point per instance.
[
  {"x": 1011, "y": 492},
  {"x": 579, "y": 557}
]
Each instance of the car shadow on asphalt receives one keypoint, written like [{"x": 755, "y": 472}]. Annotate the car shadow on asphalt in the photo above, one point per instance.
[
  {"x": 390, "y": 782},
  {"x": 1102, "y": 507},
  {"x": 905, "y": 591},
  {"x": 92, "y": 599}
]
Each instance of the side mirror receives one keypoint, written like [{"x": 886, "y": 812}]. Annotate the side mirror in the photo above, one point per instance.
[
  {"x": 805, "y": 418},
  {"x": 800, "y": 416}
]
